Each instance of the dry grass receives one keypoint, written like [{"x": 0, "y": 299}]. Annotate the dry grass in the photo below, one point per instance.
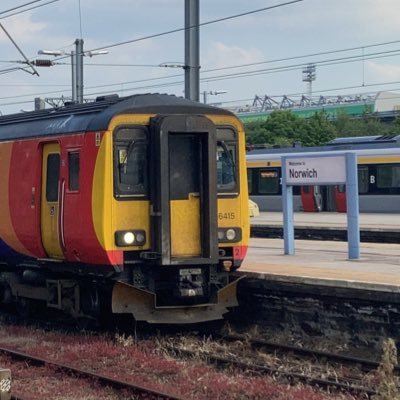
[
  {"x": 145, "y": 363},
  {"x": 388, "y": 388}
]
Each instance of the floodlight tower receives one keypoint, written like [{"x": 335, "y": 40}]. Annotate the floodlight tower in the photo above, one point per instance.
[{"x": 309, "y": 76}]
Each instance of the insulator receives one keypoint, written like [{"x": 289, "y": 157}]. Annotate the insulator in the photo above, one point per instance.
[{"x": 42, "y": 63}]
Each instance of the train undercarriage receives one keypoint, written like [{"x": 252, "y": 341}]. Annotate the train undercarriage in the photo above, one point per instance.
[{"x": 184, "y": 295}]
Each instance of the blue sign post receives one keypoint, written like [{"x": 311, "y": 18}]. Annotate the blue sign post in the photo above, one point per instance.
[
  {"x": 353, "y": 225},
  {"x": 317, "y": 169}
]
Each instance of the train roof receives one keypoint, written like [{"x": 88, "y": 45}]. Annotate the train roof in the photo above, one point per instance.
[
  {"x": 338, "y": 144},
  {"x": 97, "y": 115}
]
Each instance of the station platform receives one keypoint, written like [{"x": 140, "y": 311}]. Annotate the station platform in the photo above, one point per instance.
[
  {"x": 325, "y": 263},
  {"x": 329, "y": 220}
]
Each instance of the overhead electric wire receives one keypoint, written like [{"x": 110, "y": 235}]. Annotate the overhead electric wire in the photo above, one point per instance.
[
  {"x": 236, "y": 101},
  {"x": 261, "y": 62},
  {"x": 21, "y": 6},
  {"x": 340, "y": 60},
  {"x": 190, "y": 27},
  {"x": 229, "y": 76},
  {"x": 305, "y": 56},
  {"x": 26, "y": 9},
  {"x": 321, "y": 63},
  {"x": 195, "y": 26},
  {"x": 347, "y": 88}
]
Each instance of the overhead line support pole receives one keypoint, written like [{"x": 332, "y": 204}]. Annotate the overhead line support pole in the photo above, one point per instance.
[
  {"x": 79, "y": 70},
  {"x": 192, "y": 50}
]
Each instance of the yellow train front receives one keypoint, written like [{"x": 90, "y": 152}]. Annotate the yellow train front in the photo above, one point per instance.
[{"x": 148, "y": 202}]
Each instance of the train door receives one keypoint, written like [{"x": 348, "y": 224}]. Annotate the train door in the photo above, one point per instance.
[
  {"x": 340, "y": 195},
  {"x": 184, "y": 200},
  {"x": 365, "y": 178},
  {"x": 184, "y": 190},
  {"x": 50, "y": 202},
  {"x": 311, "y": 198}
]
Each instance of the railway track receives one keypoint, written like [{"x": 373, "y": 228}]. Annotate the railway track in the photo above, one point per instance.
[
  {"x": 139, "y": 390},
  {"x": 365, "y": 364},
  {"x": 315, "y": 233},
  {"x": 349, "y": 384}
]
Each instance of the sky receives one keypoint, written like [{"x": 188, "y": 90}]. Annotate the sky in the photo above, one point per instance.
[{"x": 297, "y": 33}]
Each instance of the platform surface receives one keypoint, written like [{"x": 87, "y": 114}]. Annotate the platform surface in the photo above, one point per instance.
[
  {"x": 330, "y": 220},
  {"x": 325, "y": 263}
]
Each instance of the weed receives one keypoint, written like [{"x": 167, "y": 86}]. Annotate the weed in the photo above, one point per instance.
[
  {"x": 124, "y": 341},
  {"x": 388, "y": 383}
]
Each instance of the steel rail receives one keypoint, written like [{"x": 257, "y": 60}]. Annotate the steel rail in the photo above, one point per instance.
[
  {"x": 347, "y": 385},
  {"x": 119, "y": 384},
  {"x": 367, "y": 364}
]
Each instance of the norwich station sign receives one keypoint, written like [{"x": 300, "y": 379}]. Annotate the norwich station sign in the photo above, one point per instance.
[
  {"x": 317, "y": 169},
  {"x": 327, "y": 170}
]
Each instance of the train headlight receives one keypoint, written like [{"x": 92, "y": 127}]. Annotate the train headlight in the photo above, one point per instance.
[
  {"x": 230, "y": 234},
  {"x": 130, "y": 238},
  {"x": 140, "y": 237},
  {"x": 226, "y": 235}
]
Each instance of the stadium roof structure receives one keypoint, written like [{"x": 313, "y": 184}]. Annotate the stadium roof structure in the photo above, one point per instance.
[{"x": 383, "y": 103}]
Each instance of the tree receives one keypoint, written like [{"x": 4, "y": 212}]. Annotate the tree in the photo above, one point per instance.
[
  {"x": 284, "y": 128},
  {"x": 319, "y": 130},
  {"x": 395, "y": 127},
  {"x": 280, "y": 128},
  {"x": 367, "y": 125}
]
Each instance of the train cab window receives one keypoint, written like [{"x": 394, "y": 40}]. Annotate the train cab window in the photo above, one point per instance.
[
  {"x": 73, "y": 169},
  {"x": 268, "y": 181},
  {"x": 363, "y": 179},
  {"x": 250, "y": 180},
  {"x": 130, "y": 162},
  {"x": 52, "y": 178},
  {"x": 227, "y": 173},
  {"x": 388, "y": 177}
]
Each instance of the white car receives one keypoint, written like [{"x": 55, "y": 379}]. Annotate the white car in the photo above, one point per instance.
[{"x": 254, "y": 211}]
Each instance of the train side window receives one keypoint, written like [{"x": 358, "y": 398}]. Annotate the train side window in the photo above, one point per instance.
[
  {"x": 342, "y": 188},
  {"x": 73, "y": 170},
  {"x": 250, "y": 180},
  {"x": 53, "y": 176},
  {"x": 388, "y": 177},
  {"x": 296, "y": 190},
  {"x": 363, "y": 179},
  {"x": 268, "y": 181}
]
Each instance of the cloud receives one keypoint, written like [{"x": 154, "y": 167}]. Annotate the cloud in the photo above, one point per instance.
[
  {"x": 383, "y": 72},
  {"x": 353, "y": 20},
  {"x": 220, "y": 55},
  {"x": 383, "y": 15},
  {"x": 21, "y": 28}
]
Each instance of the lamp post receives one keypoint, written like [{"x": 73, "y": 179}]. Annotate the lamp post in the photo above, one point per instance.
[
  {"x": 76, "y": 66},
  {"x": 212, "y": 93}
]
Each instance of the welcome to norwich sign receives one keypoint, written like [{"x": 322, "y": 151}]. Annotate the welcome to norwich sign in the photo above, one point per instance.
[{"x": 316, "y": 170}]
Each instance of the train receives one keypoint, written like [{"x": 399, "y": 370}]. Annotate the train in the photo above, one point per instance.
[
  {"x": 131, "y": 206},
  {"x": 378, "y": 164}
]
